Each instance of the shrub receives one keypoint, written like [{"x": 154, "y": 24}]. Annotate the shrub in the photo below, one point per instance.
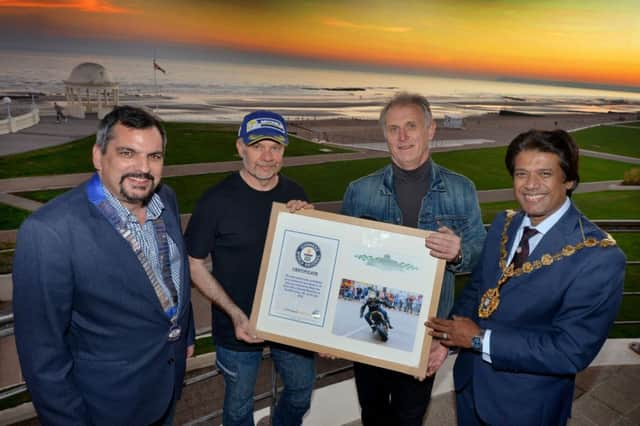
[{"x": 632, "y": 176}]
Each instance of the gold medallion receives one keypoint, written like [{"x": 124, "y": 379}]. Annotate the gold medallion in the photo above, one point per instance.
[{"x": 489, "y": 302}]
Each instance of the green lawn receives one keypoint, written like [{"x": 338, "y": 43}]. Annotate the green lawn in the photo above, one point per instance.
[
  {"x": 629, "y": 242},
  {"x": 486, "y": 168},
  {"x": 188, "y": 143},
  {"x": 327, "y": 182},
  {"x": 189, "y": 189},
  {"x": 314, "y": 178},
  {"x": 42, "y": 196},
  {"x": 204, "y": 142},
  {"x": 611, "y": 139},
  {"x": 11, "y": 217},
  {"x": 595, "y": 205},
  {"x": 322, "y": 182}
]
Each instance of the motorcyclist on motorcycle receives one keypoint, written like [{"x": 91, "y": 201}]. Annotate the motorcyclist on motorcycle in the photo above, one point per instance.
[{"x": 374, "y": 304}]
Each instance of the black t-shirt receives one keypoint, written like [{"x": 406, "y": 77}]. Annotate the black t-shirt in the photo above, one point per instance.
[{"x": 230, "y": 222}]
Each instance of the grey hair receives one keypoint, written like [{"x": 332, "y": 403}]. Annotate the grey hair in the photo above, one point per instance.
[
  {"x": 128, "y": 116},
  {"x": 406, "y": 98}
]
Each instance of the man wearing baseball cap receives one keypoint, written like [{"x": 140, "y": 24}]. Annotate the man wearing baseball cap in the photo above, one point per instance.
[{"x": 230, "y": 224}]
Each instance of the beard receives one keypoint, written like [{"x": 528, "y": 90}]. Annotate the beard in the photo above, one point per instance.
[
  {"x": 258, "y": 174},
  {"x": 136, "y": 198}
]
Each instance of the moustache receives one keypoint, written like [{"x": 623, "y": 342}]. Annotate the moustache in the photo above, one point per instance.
[{"x": 138, "y": 176}]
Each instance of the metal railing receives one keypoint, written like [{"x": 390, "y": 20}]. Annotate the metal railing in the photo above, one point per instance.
[
  {"x": 214, "y": 372},
  {"x": 6, "y": 329},
  {"x": 6, "y": 325}
]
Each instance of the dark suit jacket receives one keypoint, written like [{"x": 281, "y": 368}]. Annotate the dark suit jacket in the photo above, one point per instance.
[
  {"x": 550, "y": 324},
  {"x": 90, "y": 331}
]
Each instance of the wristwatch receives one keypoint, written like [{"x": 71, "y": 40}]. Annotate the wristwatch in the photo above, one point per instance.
[{"x": 476, "y": 341}]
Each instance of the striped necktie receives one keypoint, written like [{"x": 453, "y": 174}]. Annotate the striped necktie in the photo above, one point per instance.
[{"x": 522, "y": 252}]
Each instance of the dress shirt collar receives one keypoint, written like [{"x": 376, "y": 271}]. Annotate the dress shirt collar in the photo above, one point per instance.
[{"x": 544, "y": 226}]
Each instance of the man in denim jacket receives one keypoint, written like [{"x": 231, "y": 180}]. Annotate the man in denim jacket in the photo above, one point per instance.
[{"x": 414, "y": 191}]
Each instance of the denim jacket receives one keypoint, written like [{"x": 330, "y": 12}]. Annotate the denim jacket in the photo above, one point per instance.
[{"x": 451, "y": 201}]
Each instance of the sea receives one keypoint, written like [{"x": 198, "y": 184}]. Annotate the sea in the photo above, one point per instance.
[{"x": 219, "y": 91}]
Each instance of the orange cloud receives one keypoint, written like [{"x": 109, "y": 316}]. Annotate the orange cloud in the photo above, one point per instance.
[
  {"x": 90, "y": 6},
  {"x": 331, "y": 22}
]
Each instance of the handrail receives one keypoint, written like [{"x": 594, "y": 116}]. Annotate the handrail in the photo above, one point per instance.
[
  {"x": 206, "y": 376},
  {"x": 7, "y": 329}
]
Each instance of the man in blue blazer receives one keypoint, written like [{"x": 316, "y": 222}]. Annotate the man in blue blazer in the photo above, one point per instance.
[
  {"x": 540, "y": 302},
  {"x": 103, "y": 320}
]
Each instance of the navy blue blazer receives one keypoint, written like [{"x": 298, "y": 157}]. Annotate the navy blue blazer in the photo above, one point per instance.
[
  {"x": 550, "y": 324},
  {"x": 90, "y": 331}
]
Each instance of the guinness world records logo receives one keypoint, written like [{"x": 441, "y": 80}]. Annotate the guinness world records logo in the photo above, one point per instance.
[{"x": 308, "y": 254}]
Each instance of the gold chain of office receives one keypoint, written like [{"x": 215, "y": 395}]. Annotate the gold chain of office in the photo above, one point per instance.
[{"x": 491, "y": 298}]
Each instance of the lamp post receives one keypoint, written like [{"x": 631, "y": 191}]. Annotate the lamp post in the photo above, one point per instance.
[{"x": 7, "y": 101}]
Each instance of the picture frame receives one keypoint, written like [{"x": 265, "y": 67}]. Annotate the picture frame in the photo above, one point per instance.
[{"x": 324, "y": 277}]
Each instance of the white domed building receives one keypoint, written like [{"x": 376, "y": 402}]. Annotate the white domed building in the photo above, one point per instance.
[{"x": 90, "y": 88}]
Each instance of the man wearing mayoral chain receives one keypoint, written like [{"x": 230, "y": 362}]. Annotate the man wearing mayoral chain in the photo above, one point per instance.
[
  {"x": 102, "y": 302},
  {"x": 541, "y": 300},
  {"x": 414, "y": 191},
  {"x": 230, "y": 223}
]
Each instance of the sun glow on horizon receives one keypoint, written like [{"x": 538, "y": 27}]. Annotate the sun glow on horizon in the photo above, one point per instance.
[
  {"x": 91, "y": 6},
  {"x": 562, "y": 40}
]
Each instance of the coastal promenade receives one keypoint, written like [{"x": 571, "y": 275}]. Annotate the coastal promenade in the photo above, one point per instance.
[
  {"x": 364, "y": 136},
  {"x": 606, "y": 393}
]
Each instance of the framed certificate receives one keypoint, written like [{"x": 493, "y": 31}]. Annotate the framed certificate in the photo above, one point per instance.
[{"x": 352, "y": 288}]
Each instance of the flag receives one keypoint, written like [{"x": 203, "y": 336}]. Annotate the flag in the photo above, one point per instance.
[{"x": 158, "y": 67}]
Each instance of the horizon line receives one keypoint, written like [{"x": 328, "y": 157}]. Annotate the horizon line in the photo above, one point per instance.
[{"x": 201, "y": 53}]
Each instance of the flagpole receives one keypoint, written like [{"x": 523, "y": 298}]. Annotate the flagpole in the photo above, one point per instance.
[{"x": 155, "y": 81}]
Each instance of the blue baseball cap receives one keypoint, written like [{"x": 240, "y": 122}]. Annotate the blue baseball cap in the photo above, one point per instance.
[{"x": 261, "y": 125}]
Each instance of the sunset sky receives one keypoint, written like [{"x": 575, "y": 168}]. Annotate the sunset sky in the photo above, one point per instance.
[{"x": 564, "y": 40}]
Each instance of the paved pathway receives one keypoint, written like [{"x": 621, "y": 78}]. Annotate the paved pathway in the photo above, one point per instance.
[
  {"x": 45, "y": 134},
  {"x": 9, "y": 186},
  {"x": 19, "y": 202},
  {"x": 606, "y": 156},
  {"x": 68, "y": 180}
]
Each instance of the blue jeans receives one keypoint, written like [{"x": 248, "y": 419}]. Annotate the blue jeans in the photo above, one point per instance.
[{"x": 240, "y": 371}]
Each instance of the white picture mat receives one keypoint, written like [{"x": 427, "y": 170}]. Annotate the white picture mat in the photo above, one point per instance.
[{"x": 340, "y": 241}]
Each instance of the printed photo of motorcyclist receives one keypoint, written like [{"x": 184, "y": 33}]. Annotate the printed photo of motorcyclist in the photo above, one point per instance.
[
  {"x": 374, "y": 304},
  {"x": 377, "y": 314}
]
